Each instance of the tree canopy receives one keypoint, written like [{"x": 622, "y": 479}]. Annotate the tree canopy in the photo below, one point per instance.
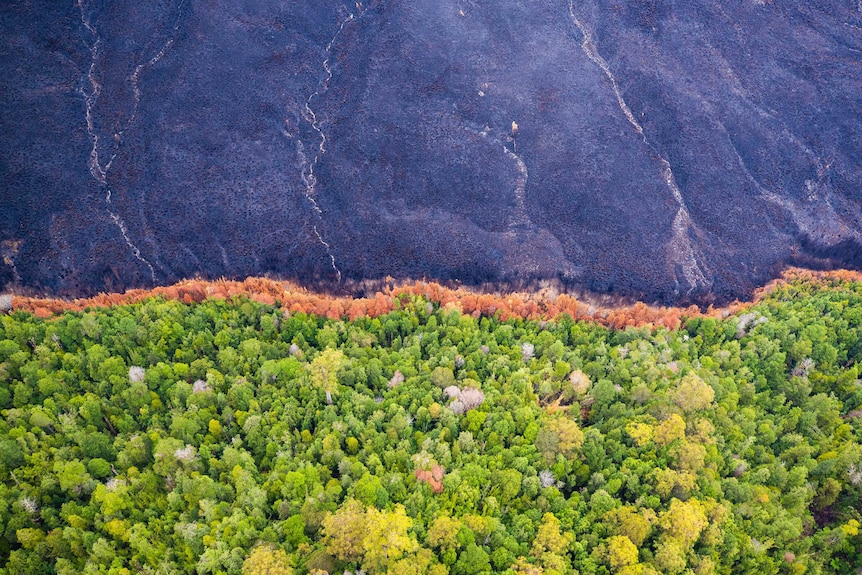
[{"x": 235, "y": 437}]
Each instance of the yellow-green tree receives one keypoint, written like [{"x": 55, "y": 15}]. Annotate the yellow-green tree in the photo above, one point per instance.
[
  {"x": 571, "y": 436},
  {"x": 689, "y": 456},
  {"x": 266, "y": 560},
  {"x": 560, "y": 435},
  {"x": 704, "y": 566},
  {"x": 631, "y": 523},
  {"x": 684, "y": 520},
  {"x": 324, "y": 370},
  {"x": 621, "y": 552},
  {"x": 443, "y": 533},
  {"x": 669, "y": 430},
  {"x": 642, "y": 433},
  {"x": 638, "y": 569},
  {"x": 693, "y": 393},
  {"x": 420, "y": 563},
  {"x": 344, "y": 531},
  {"x": 386, "y": 538},
  {"x": 670, "y": 556},
  {"x": 550, "y": 538},
  {"x": 521, "y": 567},
  {"x": 665, "y": 480}
]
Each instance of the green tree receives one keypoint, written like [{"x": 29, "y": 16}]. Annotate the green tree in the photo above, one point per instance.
[
  {"x": 72, "y": 476},
  {"x": 473, "y": 560}
]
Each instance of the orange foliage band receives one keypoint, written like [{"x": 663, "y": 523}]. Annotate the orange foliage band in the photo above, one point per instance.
[{"x": 542, "y": 305}]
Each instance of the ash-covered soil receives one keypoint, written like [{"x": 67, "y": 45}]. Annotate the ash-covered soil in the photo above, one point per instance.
[{"x": 667, "y": 151}]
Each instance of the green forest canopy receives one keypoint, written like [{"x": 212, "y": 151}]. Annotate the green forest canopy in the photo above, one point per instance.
[{"x": 231, "y": 437}]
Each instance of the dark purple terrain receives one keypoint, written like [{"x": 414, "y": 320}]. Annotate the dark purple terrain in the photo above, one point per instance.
[{"x": 668, "y": 151}]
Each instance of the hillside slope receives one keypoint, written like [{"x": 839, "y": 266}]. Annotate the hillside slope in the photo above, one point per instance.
[{"x": 672, "y": 152}]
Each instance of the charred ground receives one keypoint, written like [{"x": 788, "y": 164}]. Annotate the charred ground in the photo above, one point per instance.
[{"x": 664, "y": 151}]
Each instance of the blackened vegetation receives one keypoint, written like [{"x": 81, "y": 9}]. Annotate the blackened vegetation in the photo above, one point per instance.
[{"x": 208, "y": 120}]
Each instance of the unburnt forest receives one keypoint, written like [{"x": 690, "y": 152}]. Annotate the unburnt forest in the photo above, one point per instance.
[{"x": 235, "y": 437}]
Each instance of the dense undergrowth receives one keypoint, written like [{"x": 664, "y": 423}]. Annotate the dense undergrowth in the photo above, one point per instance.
[{"x": 233, "y": 436}]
